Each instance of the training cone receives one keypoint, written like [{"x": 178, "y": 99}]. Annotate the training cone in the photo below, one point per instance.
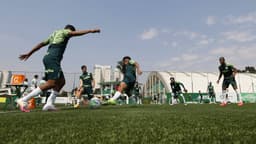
[{"x": 32, "y": 103}]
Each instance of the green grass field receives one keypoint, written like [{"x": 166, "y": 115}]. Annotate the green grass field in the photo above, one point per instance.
[{"x": 132, "y": 124}]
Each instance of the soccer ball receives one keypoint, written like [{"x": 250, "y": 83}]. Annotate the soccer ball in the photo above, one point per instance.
[{"x": 94, "y": 103}]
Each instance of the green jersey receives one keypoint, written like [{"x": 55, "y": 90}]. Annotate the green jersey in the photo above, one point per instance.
[
  {"x": 57, "y": 43},
  {"x": 210, "y": 89},
  {"x": 227, "y": 70},
  {"x": 130, "y": 69},
  {"x": 87, "y": 79},
  {"x": 176, "y": 86}
]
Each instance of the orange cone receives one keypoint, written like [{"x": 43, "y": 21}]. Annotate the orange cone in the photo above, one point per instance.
[{"x": 32, "y": 103}]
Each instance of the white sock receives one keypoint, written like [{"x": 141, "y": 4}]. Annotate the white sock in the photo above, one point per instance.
[
  {"x": 183, "y": 98},
  {"x": 32, "y": 94},
  {"x": 173, "y": 100},
  {"x": 224, "y": 94},
  {"x": 52, "y": 97},
  {"x": 116, "y": 96},
  {"x": 239, "y": 99},
  {"x": 78, "y": 101}
]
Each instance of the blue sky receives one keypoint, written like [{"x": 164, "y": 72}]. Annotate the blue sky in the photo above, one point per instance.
[{"x": 177, "y": 35}]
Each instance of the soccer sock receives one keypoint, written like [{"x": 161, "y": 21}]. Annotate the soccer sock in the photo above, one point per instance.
[
  {"x": 224, "y": 94},
  {"x": 78, "y": 101},
  {"x": 52, "y": 97},
  {"x": 183, "y": 98},
  {"x": 239, "y": 99},
  {"x": 116, "y": 96},
  {"x": 32, "y": 94}
]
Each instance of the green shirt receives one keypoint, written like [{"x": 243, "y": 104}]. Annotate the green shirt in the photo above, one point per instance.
[
  {"x": 227, "y": 70},
  {"x": 210, "y": 89},
  {"x": 87, "y": 79},
  {"x": 57, "y": 43},
  {"x": 130, "y": 69},
  {"x": 176, "y": 86}
]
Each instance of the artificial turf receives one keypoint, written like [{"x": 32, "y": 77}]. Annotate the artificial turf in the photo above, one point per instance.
[{"x": 132, "y": 124}]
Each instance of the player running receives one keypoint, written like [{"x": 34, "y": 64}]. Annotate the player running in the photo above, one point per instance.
[
  {"x": 128, "y": 67},
  {"x": 229, "y": 72},
  {"x": 176, "y": 91},
  {"x": 87, "y": 84},
  {"x": 57, "y": 42},
  {"x": 211, "y": 93}
]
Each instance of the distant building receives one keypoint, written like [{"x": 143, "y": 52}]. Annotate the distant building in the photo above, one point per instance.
[{"x": 106, "y": 74}]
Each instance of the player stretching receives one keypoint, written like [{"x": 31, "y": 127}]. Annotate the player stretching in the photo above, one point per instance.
[
  {"x": 229, "y": 72},
  {"x": 87, "y": 84},
  {"x": 176, "y": 91},
  {"x": 128, "y": 67},
  {"x": 57, "y": 42}
]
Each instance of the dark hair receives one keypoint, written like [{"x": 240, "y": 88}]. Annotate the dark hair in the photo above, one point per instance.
[
  {"x": 83, "y": 66},
  {"x": 35, "y": 76},
  {"x": 221, "y": 58},
  {"x": 126, "y": 57},
  {"x": 171, "y": 78},
  {"x": 71, "y": 27}
]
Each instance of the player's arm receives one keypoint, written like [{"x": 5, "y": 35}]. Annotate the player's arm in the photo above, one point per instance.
[
  {"x": 81, "y": 84},
  {"x": 185, "y": 90},
  {"x": 234, "y": 71},
  {"x": 220, "y": 75},
  {"x": 36, "y": 48},
  {"x": 83, "y": 32},
  {"x": 139, "y": 72},
  {"x": 93, "y": 81}
]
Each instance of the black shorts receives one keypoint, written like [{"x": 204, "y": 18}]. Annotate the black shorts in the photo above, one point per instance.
[
  {"x": 88, "y": 91},
  {"x": 227, "y": 82},
  {"x": 130, "y": 82},
  {"x": 176, "y": 94},
  {"x": 212, "y": 95},
  {"x": 53, "y": 69}
]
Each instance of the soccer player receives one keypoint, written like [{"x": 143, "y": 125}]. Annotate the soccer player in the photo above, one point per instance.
[
  {"x": 201, "y": 96},
  {"x": 211, "y": 93},
  {"x": 57, "y": 42},
  {"x": 87, "y": 84},
  {"x": 177, "y": 91},
  {"x": 229, "y": 72},
  {"x": 137, "y": 93},
  {"x": 34, "y": 82},
  {"x": 128, "y": 67}
]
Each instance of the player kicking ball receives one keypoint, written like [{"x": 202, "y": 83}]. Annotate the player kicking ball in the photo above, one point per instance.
[
  {"x": 87, "y": 84},
  {"x": 128, "y": 67},
  {"x": 176, "y": 91},
  {"x": 57, "y": 42},
  {"x": 229, "y": 72}
]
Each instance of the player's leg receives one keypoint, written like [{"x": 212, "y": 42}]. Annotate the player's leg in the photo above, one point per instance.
[
  {"x": 239, "y": 98},
  {"x": 183, "y": 98},
  {"x": 22, "y": 102},
  {"x": 174, "y": 98},
  {"x": 89, "y": 93},
  {"x": 118, "y": 93},
  {"x": 210, "y": 98},
  {"x": 78, "y": 95},
  {"x": 58, "y": 85},
  {"x": 225, "y": 85}
]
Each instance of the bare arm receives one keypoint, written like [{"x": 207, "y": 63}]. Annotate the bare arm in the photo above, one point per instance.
[
  {"x": 234, "y": 71},
  {"x": 81, "y": 84},
  {"x": 83, "y": 32},
  {"x": 36, "y": 48},
  {"x": 185, "y": 90},
  {"x": 219, "y": 78},
  {"x": 93, "y": 83},
  {"x": 139, "y": 72}
]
